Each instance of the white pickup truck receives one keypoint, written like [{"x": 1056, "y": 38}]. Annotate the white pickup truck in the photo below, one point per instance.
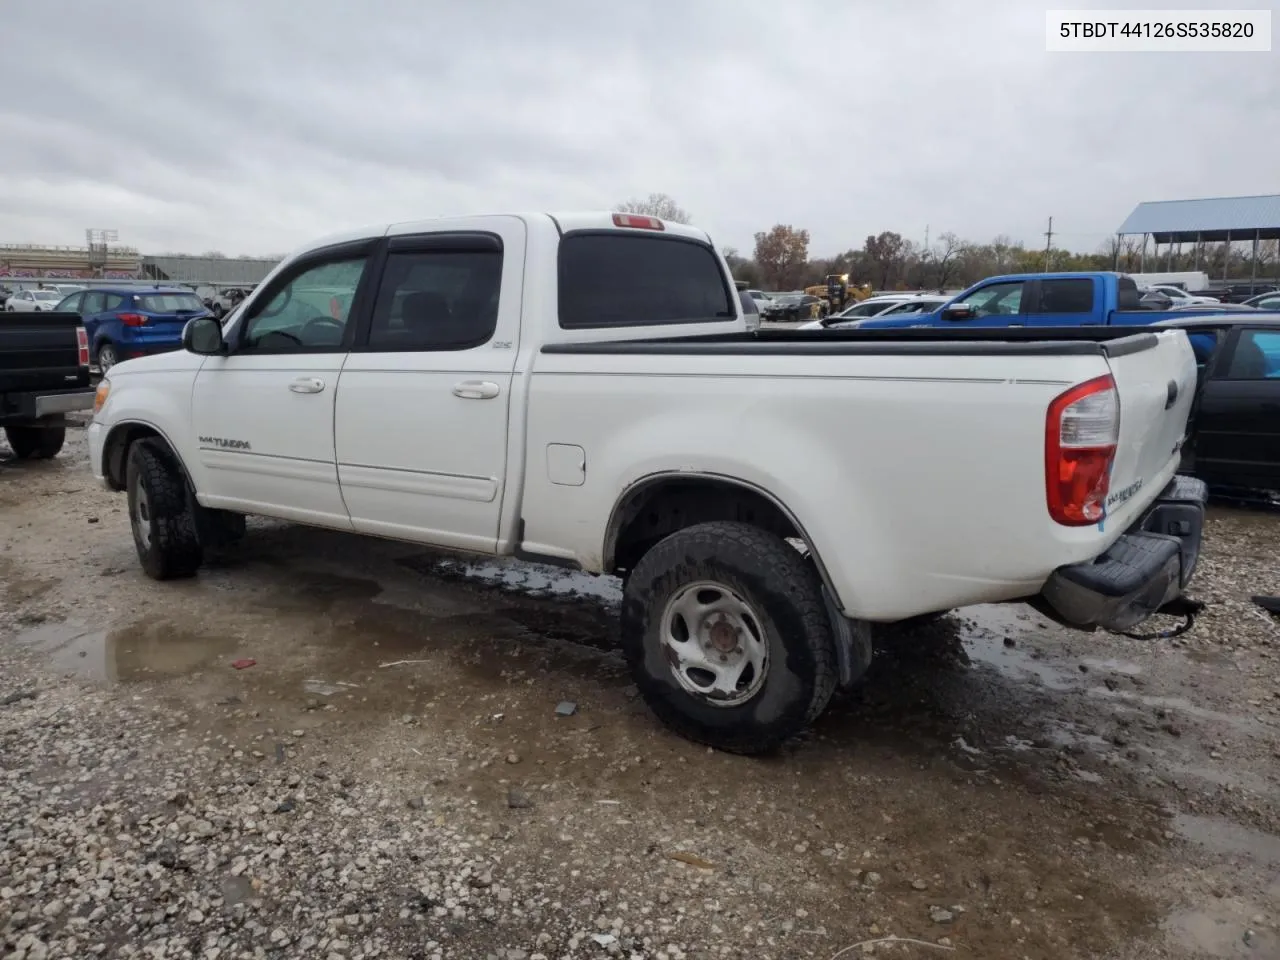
[{"x": 581, "y": 389}]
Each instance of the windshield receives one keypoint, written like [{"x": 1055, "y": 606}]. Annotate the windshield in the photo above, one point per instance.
[
  {"x": 170, "y": 303},
  {"x": 48, "y": 295}
]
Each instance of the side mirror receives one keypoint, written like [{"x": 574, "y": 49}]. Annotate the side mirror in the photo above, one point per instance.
[
  {"x": 203, "y": 335},
  {"x": 958, "y": 311}
]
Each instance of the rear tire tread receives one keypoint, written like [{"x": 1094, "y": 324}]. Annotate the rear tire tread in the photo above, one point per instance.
[{"x": 783, "y": 579}]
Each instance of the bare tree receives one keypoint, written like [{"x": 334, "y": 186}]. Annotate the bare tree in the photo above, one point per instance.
[
  {"x": 658, "y": 205},
  {"x": 944, "y": 257}
]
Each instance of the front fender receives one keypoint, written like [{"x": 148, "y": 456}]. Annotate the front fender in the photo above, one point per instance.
[{"x": 155, "y": 399}]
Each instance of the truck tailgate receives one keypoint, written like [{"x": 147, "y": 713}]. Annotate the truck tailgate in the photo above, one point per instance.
[
  {"x": 40, "y": 351},
  {"x": 1156, "y": 385}
]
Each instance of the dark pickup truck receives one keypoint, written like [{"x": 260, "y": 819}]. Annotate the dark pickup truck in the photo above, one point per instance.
[{"x": 44, "y": 375}]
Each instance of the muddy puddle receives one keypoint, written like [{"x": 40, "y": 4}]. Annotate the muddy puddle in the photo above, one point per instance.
[
  {"x": 1229, "y": 839},
  {"x": 1230, "y": 922},
  {"x": 146, "y": 650}
]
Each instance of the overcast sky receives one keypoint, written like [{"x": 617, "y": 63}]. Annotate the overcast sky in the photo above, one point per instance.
[{"x": 252, "y": 126}]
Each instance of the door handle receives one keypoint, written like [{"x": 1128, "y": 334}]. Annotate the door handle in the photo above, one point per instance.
[
  {"x": 307, "y": 385},
  {"x": 476, "y": 390}
]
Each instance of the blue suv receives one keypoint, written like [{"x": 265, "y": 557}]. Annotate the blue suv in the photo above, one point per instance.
[{"x": 127, "y": 322}]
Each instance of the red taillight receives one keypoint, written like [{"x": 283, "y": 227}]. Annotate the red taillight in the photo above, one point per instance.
[
  {"x": 1080, "y": 436},
  {"x": 132, "y": 319},
  {"x": 82, "y": 345},
  {"x": 637, "y": 222}
]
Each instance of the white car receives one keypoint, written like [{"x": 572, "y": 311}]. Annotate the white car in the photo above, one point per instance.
[
  {"x": 33, "y": 301},
  {"x": 882, "y": 306},
  {"x": 581, "y": 389},
  {"x": 1180, "y": 297}
]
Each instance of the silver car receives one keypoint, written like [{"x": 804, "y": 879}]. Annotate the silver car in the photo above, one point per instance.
[{"x": 890, "y": 305}]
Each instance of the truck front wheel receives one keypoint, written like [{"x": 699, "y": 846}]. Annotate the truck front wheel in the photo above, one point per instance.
[
  {"x": 727, "y": 636},
  {"x": 35, "y": 443},
  {"x": 162, "y": 513}
]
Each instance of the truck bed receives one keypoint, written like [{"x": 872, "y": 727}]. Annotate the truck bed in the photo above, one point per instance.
[{"x": 905, "y": 448}]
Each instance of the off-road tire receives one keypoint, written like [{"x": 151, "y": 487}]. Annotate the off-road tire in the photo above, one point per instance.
[
  {"x": 174, "y": 549},
  {"x": 785, "y": 593},
  {"x": 35, "y": 443}
]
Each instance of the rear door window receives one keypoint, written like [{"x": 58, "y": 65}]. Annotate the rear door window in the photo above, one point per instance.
[
  {"x": 1071, "y": 295},
  {"x": 437, "y": 300},
  {"x": 612, "y": 279}
]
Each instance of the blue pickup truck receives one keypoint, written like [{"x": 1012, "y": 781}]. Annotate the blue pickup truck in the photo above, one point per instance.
[{"x": 1042, "y": 300}]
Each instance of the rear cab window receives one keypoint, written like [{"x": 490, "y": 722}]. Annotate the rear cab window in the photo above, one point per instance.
[{"x": 614, "y": 279}]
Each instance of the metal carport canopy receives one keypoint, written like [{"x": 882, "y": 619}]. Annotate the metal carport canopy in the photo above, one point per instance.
[{"x": 1212, "y": 220}]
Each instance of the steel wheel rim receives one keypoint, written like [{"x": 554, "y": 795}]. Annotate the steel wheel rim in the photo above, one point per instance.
[
  {"x": 140, "y": 514},
  {"x": 714, "y": 644},
  {"x": 106, "y": 357}
]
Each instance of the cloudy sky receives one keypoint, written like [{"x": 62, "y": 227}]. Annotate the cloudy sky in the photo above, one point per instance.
[{"x": 252, "y": 126}]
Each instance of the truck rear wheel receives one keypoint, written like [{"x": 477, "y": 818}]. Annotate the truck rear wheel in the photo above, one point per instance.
[
  {"x": 162, "y": 514},
  {"x": 727, "y": 637},
  {"x": 35, "y": 443}
]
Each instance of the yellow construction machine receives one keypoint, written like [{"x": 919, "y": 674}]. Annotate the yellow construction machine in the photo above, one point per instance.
[{"x": 836, "y": 291}]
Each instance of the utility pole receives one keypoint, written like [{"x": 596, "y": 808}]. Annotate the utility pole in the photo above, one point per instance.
[
  {"x": 1048, "y": 245},
  {"x": 926, "y": 238}
]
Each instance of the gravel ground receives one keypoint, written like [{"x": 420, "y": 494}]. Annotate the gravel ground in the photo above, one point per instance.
[{"x": 390, "y": 778}]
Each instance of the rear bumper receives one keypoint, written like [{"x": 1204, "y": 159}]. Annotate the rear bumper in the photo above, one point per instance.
[
  {"x": 1149, "y": 566},
  {"x": 41, "y": 404}
]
